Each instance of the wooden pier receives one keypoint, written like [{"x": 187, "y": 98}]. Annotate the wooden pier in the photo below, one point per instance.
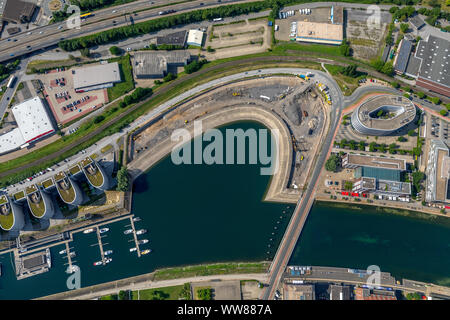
[
  {"x": 100, "y": 244},
  {"x": 136, "y": 241}
]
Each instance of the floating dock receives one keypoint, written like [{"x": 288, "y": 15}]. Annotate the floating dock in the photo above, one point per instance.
[
  {"x": 136, "y": 241},
  {"x": 33, "y": 264}
]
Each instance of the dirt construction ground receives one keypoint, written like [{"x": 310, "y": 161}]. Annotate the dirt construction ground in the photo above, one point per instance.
[
  {"x": 366, "y": 33},
  {"x": 236, "y": 39}
]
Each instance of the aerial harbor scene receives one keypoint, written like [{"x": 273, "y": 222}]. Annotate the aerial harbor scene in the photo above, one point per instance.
[{"x": 224, "y": 150}]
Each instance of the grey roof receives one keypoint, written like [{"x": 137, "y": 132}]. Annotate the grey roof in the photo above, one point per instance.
[
  {"x": 176, "y": 38},
  {"x": 95, "y": 75},
  {"x": 435, "y": 55},
  {"x": 403, "y": 55},
  {"x": 338, "y": 292},
  {"x": 412, "y": 69},
  {"x": 386, "y": 51},
  {"x": 417, "y": 22},
  {"x": 156, "y": 62},
  {"x": 16, "y": 10}
]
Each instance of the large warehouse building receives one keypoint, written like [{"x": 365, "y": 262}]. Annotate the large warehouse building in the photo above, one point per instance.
[
  {"x": 327, "y": 32},
  {"x": 155, "y": 64},
  {"x": 96, "y": 77},
  {"x": 383, "y": 115},
  {"x": 438, "y": 173},
  {"x": 429, "y": 64},
  {"x": 18, "y": 11},
  {"x": 33, "y": 123}
]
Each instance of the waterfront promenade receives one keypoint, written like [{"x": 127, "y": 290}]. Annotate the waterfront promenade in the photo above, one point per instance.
[{"x": 144, "y": 282}]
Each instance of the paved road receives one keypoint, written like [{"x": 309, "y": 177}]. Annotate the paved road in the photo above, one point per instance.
[
  {"x": 43, "y": 37},
  {"x": 9, "y": 93}
]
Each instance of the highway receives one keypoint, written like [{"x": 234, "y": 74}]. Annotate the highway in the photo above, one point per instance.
[{"x": 43, "y": 37}]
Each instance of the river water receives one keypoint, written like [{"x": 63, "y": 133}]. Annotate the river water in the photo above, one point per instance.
[{"x": 214, "y": 213}]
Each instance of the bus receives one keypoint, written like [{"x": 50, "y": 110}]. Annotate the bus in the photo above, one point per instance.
[
  {"x": 11, "y": 82},
  {"x": 86, "y": 15}
]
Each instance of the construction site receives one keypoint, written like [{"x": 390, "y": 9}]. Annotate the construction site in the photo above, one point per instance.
[{"x": 293, "y": 101}]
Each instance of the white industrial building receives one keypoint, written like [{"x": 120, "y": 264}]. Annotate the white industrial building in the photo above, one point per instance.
[
  {"x": 195, "y": 37},
  {"x": 96, "y": 77},
  {"x": 33, "y": 123}
]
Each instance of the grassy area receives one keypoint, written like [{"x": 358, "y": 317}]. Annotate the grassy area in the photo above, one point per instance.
[
  {"x": 106, "y": 148},
  {"x": 211, "y": 269},
  {"x": 127, "y": 84},
  {"x": 291, "y": 47},
  {"x": 346, "y": 83},
  {"x": 19, "y": 195},
  {"x": 38, "y": 209},
  {"x": 47, "y": 183},
  {"x": 165, "y": 293},
  {"x": 75, "y": 169},
  {"x": 69, "y": 194},
  {"x": 96, "y": 179},
  {"x": 109, "y": 297},
  {"x": 7, "y": 221}
]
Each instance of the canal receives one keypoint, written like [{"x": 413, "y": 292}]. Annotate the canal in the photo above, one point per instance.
[{"x": 214, "y": 213}]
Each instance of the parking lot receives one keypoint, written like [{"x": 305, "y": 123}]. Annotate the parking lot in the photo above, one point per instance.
[{"x": 66, "y": 104}]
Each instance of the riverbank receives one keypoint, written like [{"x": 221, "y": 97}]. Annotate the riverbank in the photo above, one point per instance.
[
  {"x": 277, "y": 191},
  {"x": 170, "y": 277},
  {"x": 393, "y": 208}
]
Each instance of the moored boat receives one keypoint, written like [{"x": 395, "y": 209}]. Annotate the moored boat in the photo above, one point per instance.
[
  {"x": 63, "y": 251},
  {"x": 89, "y": 230},
  {"x": 147, "y": 251},
  {"x": 128, "y": 231},
  {"x": 108, "y": 252},
  {"x": 143, "y": 241},
  {"x": 98, "y": 263},
  {"x": 136, "y": 219},
  {"x": 133, "y": 249},
  {"x": 103, "y": 230},
  {"x": 142, "y": 231}
]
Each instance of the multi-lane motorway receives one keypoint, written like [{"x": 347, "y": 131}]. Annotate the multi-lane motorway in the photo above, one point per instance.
[{"x": 105, "y": 19}]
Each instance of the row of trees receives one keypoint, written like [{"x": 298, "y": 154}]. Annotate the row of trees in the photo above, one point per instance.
[
  {"x": 159, "y": 24},
  {"x": 136, "y": 96},
  {"x": 6, "y": 69},
  {"x": 373, "y": 146},
  {"x": 97, "y": 4},
  {"x": 194, "y": 65}
]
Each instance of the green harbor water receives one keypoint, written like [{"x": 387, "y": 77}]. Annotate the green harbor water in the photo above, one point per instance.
[{"x": 214, "y": 213}]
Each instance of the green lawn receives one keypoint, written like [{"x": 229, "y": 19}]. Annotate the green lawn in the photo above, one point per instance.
[
  {"x": 127, "y": 84},
  {"x": 346, "y": 83},
  {"x": 166, "y": 293},
  {"x": 211, "y": 269},
  {"x": 37, "y": 209},
  {"x": 7, "y": 221},
  {"x": 290, "y": 47}
]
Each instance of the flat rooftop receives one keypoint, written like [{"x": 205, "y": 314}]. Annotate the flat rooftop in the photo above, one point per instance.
[
  {"x": 298, "y": 292},
  {"x": 403, "y": 109},
  {"x": 435, "y": 55},
  {"x": 376, "y": 162},
  {"x": 17, "y": 10},
  {"x": 176, "y": 38},
  {"x": 32, "y": 119},
  {"x": 85, "y": 77},
  {"x": 401, "y": 61},
  {"x": 156, "y": 62},
  {"x": 33, "y": 122},
  {"x": 441, "y": 176},
  {"x": 319, "y": 32}
]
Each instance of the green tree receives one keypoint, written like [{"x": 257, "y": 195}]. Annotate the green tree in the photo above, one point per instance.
[
  {"x": 401, "y": 139},
  {"x": 204, "y": 294},
  {"x": 413, "y": 296},
  {"x": 344, "y": 48},
  {"x": 411, "y": 132},
  {"x": 115, "y": 50},
  {"x": 332, "y": 163},
  {"x": 436, "y": 100},
  {"x": 404, "y": 27},
  {"x": 421, "y": 95},
  {"x": 372, "y": 147},
  {"x": 123, "y": 180},
  {"x": 159, "y": 295},
  {"x": 388, "y": 68},
  {"x": 395, "y": 84},
  {"x": 443, "y": 112},
  {"x": 170, "y": 76},
  {"x": 123, "y": 295},
  {"x": 85, "y": 52}
]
